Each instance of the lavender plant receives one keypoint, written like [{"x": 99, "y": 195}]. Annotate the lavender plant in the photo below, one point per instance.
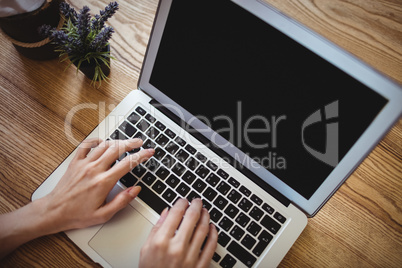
[{"x": 83, "y": 38}]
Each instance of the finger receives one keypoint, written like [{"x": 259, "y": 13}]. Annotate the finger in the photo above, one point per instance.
[
  {"x": 174, "y": 218},
  {"x": 99, "y": 150},
  {"x": 85, "y": 147},
  {"x": 119, "y": 202},
  {"x": 158, "y": 224},
  {"x": 209, "y": 248},
  {"x": 199, "y": 235},
  {"x": 116, "y": 149},
  {"x": 190, "y": 220},
  {"x": 128, "y": 163}
]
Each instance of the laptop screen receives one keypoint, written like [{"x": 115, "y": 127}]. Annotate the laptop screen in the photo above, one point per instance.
[{"x": 290, "y": 110}]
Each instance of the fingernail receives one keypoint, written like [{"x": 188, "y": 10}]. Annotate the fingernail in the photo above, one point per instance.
[
  {"x": 151, "y": 150},
  {"x": 134, "y": 191}
]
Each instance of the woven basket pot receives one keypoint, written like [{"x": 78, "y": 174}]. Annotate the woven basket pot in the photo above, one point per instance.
[{"x": 22, "y": 30}]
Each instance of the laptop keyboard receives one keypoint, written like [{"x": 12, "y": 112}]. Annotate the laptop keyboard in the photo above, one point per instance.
[{"x": 246, "y": 225}]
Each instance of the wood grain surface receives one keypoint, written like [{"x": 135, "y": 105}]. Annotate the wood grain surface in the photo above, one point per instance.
[{"x": 359, "y": 227}]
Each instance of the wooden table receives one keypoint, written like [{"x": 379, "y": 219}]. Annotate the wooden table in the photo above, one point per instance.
[{"x": 359, "y": 226}]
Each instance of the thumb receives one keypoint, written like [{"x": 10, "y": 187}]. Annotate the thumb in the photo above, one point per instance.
[{"x": 119, "y": 202}]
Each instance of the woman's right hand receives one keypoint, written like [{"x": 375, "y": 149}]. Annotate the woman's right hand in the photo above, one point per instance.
[{"x": 177, "y": 238}]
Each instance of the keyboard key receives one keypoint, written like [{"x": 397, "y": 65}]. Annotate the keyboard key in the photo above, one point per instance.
[
  {"x": 143, "y": 125},
  {"x": 178, "y": 169},
  {"x": 202, "y": 171},
  {"x": 128, "y": 180},
  {"x": 193, "y": 195},
  {"x": 182, "y": 155},
  {"x": 279, "y": 217},
  {"x": 140, "y": 110},
  {"x": 159, "y": 153},
  {"x": 221, "y": 202},
  {"x": 210, "y": 194},
  {"x": 168, "y": 161},
  {"x": 192, "y": 164},
  {"x": 265, "y": 237},
  {"x": 190, "y": 149},
  {"x": 172, "y": 181},
  {"x": 183, "y": 189},
  {"x": 223, "y": 174},
  {"x": 215, "y": 215},
  {"x": 139, "y": 170},
  {"x": 242, "y": 219},
  {"x": 245, "y": 204},
  {"x": 118, "y": 135},
  {"x": 152, "y": 132},
  {"x": 150, "y": 118},
  {"x": 216, "y": 257},
  {"x": 237, "y": 232},
  {"x": 225, "y": 223},
  {"x": 262, "y": 244},
  {"x": 256, "y": 199},
  {"x": 170, "y": 133},
  {"x": 234, "y": 182},
  {"x": 201, "y": 157},
  {"x": 169, "y": 195},
  {"x": 152, "y": 164},
  {"x": 188, "y": 177},
  {"x": 148, "y": 144},
  {"x": 149, "y": 178},
  {"x": 234, "y": 196},
  {"x": 162, "y": 140},
  {"x": 140, "y": 136},
  {"x": 223, "y": 239},
  {"x": 180, "y": 141},
  {"x": 223, "y": 188},
  {"x": 212, "y": 165},
  {"x": 253, "y": 228},
  {"x": 127, "y": 128},
  {"x": 134, "y": 118},
  {"x": 256, "y": 213},
  {"x": 199, "y": 185},
  {"x": 248, "y": 241},
  {"x": 270, "y": 224},
  {"x": 206, "y": 205},
  {"x": 172, "y": 147},
  {"x": 243, "y": 255},
  {"x": 159, "y": 187},
  {"x": 268, "y": 208},
  {"x": 151, "y": 199},
  {"x": 212, "y": 179},
  {"x": 231, "y": 211},
  {"x": 245, "y": 191},
  {"x": 160, "y": 126}
]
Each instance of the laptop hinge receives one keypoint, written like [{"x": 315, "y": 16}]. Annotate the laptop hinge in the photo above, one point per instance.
[{"x": 281, "y": 198}]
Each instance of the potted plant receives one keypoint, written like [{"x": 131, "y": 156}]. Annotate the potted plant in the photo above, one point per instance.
[{"x": 84, "y": 39}]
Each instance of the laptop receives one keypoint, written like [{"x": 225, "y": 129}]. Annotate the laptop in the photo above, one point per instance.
[{"x": 257, "y": 115}]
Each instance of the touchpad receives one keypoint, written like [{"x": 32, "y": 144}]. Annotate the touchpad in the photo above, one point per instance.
[{"x": 119, "y": 241}]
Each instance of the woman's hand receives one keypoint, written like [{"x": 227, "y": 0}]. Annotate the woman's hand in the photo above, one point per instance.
[
  {"x": 78, "y": 200},
  {"x": 177, "y": 238}
]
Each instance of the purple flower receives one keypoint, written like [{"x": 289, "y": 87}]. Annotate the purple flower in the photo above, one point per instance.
[
  {"x": 68, "y": 12},
  {"x": 101, "y": 40},
  {"x": 99, "y": 21},
  {"x": 83, "y": 23}
]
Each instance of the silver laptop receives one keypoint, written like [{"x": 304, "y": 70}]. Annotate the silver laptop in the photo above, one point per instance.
[{"x": 257, "y": 115}]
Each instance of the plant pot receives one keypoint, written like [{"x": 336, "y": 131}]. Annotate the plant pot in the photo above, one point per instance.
[
  {"x": 22, "y": 30},
  {"x": 88, "y": 68}
]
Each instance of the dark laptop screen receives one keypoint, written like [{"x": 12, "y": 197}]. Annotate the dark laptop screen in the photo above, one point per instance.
[{"x": 290, "y": 110}]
